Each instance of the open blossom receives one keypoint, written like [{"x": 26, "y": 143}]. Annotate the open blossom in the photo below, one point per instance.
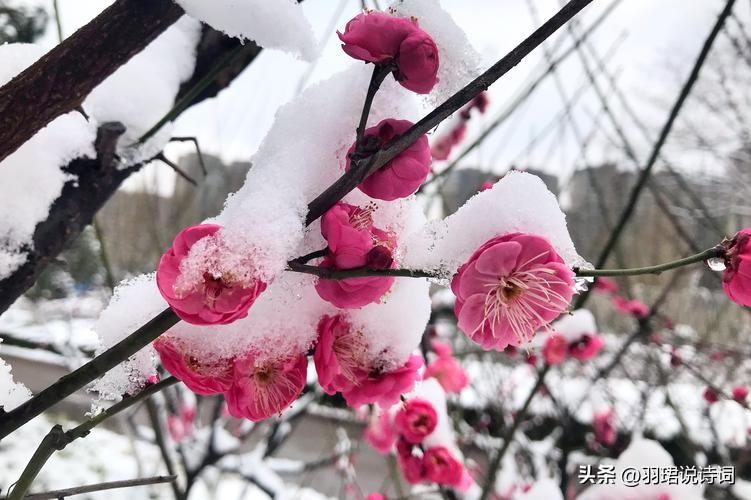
[
  {"x": 555, "y": 349},
  {"x": 416, "y": 420},
  {"x": 586, "y": 348},
  {"x": 404, "y": 174},
  {"x": 604, "y": 426},
  {"x": 203, "y": 289},
  {"x": 262, "y": 388},
  {"x": 442, "y": 467},
  {"x": 380, "y": 433},
  {"x": 379, "y": 38},
  {"x": 200, "y": 375},
  {"x": 634, "y": 307},
  {"x": 449, "y": 373},
  {"x": 354, "y": 242},
  {"x": 736, "y": 279},
  {"x": 509, "y": 288},
  {"x": 384, "y": 388}
]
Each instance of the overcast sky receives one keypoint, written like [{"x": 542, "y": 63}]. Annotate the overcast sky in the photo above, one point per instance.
[{"x": 659, "y": 40}]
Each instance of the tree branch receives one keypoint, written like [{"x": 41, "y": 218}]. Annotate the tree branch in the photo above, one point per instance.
[{"x": 109, "y": 485}]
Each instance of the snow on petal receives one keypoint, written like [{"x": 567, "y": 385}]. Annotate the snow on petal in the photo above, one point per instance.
[
  {"x": 277, "y": 24},
  {"x": 519, "y": 202}
]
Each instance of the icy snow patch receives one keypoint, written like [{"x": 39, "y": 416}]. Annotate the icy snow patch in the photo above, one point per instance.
[
  {"x": 12, "y": 393},
  {"x": 277, "y": 24}
]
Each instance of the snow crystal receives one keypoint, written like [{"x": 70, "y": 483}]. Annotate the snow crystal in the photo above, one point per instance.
[
  {"x": 279, "y": 24},
  {"x": 12, "y": 393},
  {"x": 133, "y": 304},
  {"x": 459, "y": 61},
  {"x": 394, "y": 327},
  {"x": 519, "y": 202}
]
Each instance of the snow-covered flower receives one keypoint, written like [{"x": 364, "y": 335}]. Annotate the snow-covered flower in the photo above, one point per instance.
[
  {"x": 509, "y": 288},
  {"x": 401, "y": 176},
  {"x": 262, "y": 388},
  {"x": 204, "y": 281},
  {"x": 736, "y": 279},
  {"x": 382, "y": 39},
  {"x": 200, "y": 375},
  {"x": 415, "y": 420}
]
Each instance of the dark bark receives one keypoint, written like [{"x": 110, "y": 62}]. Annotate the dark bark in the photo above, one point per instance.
[{"x": 59, "y": 82}]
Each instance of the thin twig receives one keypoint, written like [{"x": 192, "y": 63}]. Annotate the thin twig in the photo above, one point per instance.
[{"x": 90, "y": 488}]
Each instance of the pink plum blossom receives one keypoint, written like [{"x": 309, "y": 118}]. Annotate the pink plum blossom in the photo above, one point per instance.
[
  {"x": 710, "y": 396},
  {"x": 404, "y": 174},
  {"x": 635, "y": 308},
  {"x": 449, "y": 373},
  {"x": 339, "y": 356},
  {"x": 415, "y": 420},
  {"x": 212, "y": 293},
  {"x": 555, "y": 349},
  {"x": 606, "y": 285},
  {"x": 586, "y": 348},
  {"x": 442, "y": 467},
  {"x": 604, "y": 427},
  {"x": 262, "y": 388},
  {"x": 736, "y": 279},
  {"x": 740, "y": 394},
  {"x": 200, "y": 375},
  {"x": 379, "y": 38},
  {"x": 380, "y": 433},
  {"x": 384, "y": 388},
  {"x": 509, "y": 288}
]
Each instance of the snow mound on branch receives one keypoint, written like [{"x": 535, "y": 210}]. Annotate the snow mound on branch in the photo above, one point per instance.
[
  {"x": 133, "y": 304},
  {"x": 12, "y": 393},
  {"x": 282, "y": 322},
  {"x": 276, "y": 24},
  {"x": 36, "y": 167},
  {"x": 394, "y": 327},
  {"x": 519, "y": 202},
  {"x": 459, "y": 61}
]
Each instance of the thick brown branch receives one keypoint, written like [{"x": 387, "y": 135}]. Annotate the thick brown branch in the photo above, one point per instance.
[{"x": 59, "y": 82}]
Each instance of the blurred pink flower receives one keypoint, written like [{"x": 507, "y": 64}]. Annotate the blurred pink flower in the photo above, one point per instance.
[
  {"x": 740, "y": 394},
  {"x": 449, "y": 373},
  {"x": 375, "y": 496},
  {"x": 383, "y": 39},
  {"x": 486, "y": 185},
  {"x": 218, "y": 297},
  {"x": 604, "y": 427},
  {"x": 415, "y": 420},
  {"x": 634, "y": 307},
  {"x": 441, "y": 467},
  {"x": 442, "y": 349},
  {"x": 509, "y": 288},
  {"x": 555, "y": 349},
  {"x": 384, "y": 388},
  {"x": 606, "y": 285},
  {"x": 736, "y": 279},
  {"x": 710, "y": 396},
  {"x": 261, "y": 389},
  {"x": 586, "y": 348},
  {"x": 200, "y": 375},
  {"x": 380, "y": 433},
  {"x": 401, "y": 176}
]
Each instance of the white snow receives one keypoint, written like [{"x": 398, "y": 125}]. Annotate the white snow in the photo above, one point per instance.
[
  {"x": 277, "y": 24},
  {"x": 12, "y": 393},
  {"x": 543, "y": 489},
  {"x": 519, "y": 202}
]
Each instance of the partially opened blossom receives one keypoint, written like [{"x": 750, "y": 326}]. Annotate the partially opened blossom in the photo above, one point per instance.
[
  {"x": 635, "y": 308},
  {"x": 740, "y": 394},
  {"x": 404, "y": 174},
  {"x": 384, "y": 387},
  {"x": 604, "y": 427},
  {"x": 586, "y": 348},
  {"x": 210, "y": 286},
  {"x": 449, "y": 373},
  {"x": 606, "y": 285},
  {"x": 511, "y": 286},
  {"x": 202, "y": 376},
  {"x": 415, "y": 420},
  {"x": 555, "y": 349},
  {"x": 382, "y": 39},
  {"x": 380, "y": 433},
  {"x": 736, "y": 279},
  {"x": 442, "y": 467},
  {"x": 263, "y": 388}
]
